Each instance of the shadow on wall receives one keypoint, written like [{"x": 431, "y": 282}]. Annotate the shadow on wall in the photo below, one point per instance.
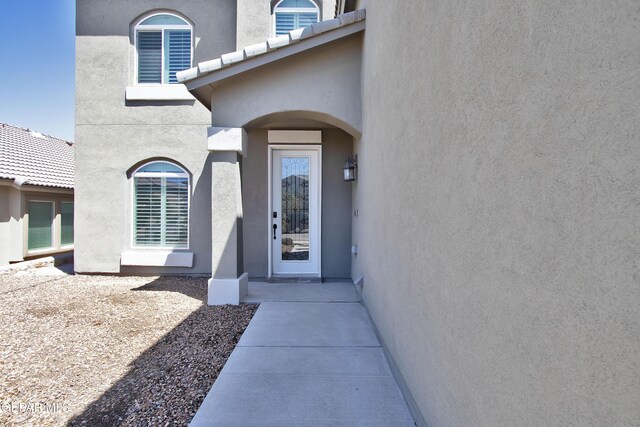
[{"x": 168, "y": 382}]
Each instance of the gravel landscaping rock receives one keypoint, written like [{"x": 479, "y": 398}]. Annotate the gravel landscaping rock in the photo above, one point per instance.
[{"x": 110, "y": 351}]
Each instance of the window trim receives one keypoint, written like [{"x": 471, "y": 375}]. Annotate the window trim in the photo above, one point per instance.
[
  {"x": 317, "y": 10},
  {"x": 158, "y": 27},
  {"x": 183, "y": 174}
]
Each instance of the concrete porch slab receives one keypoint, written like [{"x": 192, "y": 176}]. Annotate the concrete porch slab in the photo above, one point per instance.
[
  {"x": 310, "y": 324},
  {"x": 344, "y": 361},
  {"x": 306, "y": 364},
  {"x": 301, "y": 292},
  {"x": 303, "y": 400}
]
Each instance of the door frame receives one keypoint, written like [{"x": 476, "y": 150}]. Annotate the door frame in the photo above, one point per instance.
[{"x": 300, "y": 147}]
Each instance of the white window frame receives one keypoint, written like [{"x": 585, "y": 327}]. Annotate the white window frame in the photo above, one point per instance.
[
  {"x": 183, "y": 174},
  {"x": 145, "y": 28},
  {"x": 292, "y": 10}
]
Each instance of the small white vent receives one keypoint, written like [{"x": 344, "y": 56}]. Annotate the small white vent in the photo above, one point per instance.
[{"x": 37, "y": 134}]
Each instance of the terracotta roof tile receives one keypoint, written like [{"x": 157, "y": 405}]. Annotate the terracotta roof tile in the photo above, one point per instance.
[{"x": 29, "y": 157}]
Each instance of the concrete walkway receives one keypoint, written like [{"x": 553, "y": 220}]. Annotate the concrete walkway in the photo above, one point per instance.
[{"x": 310, "y": 357}]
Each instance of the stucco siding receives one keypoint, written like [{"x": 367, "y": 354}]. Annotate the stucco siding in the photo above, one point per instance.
[
  {"x": 253, "y": 22},
  {"x": 11, "y": 225},
  {"x": 4, "y": 226},
  {"x": 499, "y": 195},
  {"x": 113, "y": 134},
  {"x": 16, "y": 224},
  {"x": 324, "y": 80},
  {"x": 255, "y": 188},
  {"x": 337, "y": 145},
  {"x": 104, "y": 195}
]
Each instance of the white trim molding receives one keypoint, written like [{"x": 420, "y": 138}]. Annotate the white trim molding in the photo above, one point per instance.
[
  {"x": 227, "y": 139},
  {"x": 153, "y": 258},
  {"x": 227, "y": 291},
  {"x": 174, "y": 92},
  {"x": 294, "y": 136}
]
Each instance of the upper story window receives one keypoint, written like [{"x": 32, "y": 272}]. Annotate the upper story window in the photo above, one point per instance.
[
  {"x": 163, "y": 45},
  {"x": 161, "y": 206},
  {"x": 294, "y": 14}
]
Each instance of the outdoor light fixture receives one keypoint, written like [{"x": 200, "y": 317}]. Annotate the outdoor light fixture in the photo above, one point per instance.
[{"x": 350, "y": 167}]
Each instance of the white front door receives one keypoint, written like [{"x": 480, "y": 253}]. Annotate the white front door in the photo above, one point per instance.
[{"x": 295, "y": 212}]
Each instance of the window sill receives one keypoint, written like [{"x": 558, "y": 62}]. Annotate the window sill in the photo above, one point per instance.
[
  {"x": 157, "y": 258},
  {"x": 39, "y": 251},
  {"x": 176, "y": 92}
]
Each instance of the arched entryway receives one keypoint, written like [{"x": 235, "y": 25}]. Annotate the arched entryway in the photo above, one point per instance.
[
  {"x": 307, "y": 81},
  {"x": 292, "y": 179}
]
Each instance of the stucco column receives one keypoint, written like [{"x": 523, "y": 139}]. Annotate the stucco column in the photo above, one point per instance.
[{"x": 228, "y": 283}]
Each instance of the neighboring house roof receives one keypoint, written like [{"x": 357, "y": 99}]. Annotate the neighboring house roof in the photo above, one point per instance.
[
  {"x": 29, "y": 157},
  {"x": 209, "y": 73}
]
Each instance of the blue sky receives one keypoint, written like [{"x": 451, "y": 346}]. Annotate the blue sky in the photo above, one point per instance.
[{"x": 37, "y": 72}]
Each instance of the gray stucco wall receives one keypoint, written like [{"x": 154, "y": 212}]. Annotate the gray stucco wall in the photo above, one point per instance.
[
  {"x": 16, "y": 225},
  {"x": 500, "y": 242},
  {"x": 103, "y": 196},
  {"x": 253, "y": 22},
  {"x": 324, "y": 82},
  {"x": 255, "y": 187},
  {"x": 113, "y": 135},
  {"x": 336, "y": 204},
  {"x": 337, "y": 145}
]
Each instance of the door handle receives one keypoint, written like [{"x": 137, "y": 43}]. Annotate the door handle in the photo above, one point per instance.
[{"x": 275, "y": 227}]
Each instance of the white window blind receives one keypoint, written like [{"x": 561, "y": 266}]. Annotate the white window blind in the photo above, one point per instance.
[
  {"x": 163, "y": 45},
  {"x": 177, "y": 53},
  {"x": 176, "y": 211},
  {"x": 293, "y": 14},
  {"x": 285, "y": 22},
  {"x": 161, "y": 211},
  {"x": 149, "y": 56}
]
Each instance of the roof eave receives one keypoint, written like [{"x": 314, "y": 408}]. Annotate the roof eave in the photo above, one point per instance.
[
  {"x": 27, "y": 186},
  {"x": 202, "y": 86}
]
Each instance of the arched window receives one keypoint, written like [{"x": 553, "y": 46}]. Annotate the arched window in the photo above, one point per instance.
[
  {"x": 294, "y": 14},
  {"x": 163, "y": 46},
  {"x": 160, "y": 206}
]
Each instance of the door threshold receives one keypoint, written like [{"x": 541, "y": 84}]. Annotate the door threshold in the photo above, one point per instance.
[{"x": 294, "y": 279}]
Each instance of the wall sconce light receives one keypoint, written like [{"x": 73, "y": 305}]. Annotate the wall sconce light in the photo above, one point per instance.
[{"x": 350, "y": 167}]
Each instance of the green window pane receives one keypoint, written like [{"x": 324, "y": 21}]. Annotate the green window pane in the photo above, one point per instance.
[
  {"x": 40, "y": 225},
  {"x": 66, "y": 220}
]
